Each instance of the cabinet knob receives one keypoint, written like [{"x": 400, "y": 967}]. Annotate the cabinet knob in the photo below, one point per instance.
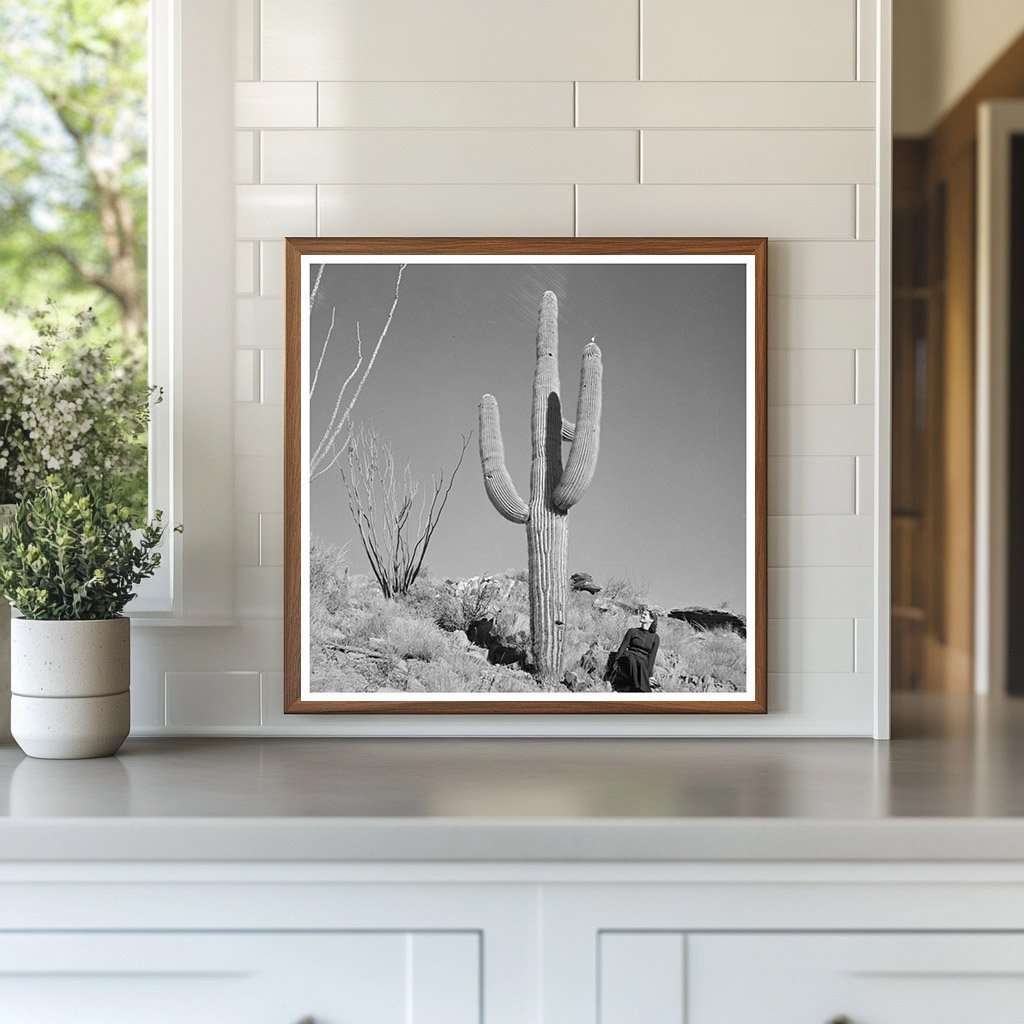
[
  {"x": 306, "y": 1020},
  {"x": 841, "y": 1019}
]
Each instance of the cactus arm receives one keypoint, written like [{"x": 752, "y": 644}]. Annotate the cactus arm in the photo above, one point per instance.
[
  {"x": 497, "y": 481},
  {"x": 582, "y": 461},
  {"x": 568, "y": 431}
]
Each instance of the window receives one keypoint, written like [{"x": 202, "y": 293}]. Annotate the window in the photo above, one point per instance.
[{"x": 181, "y": 179}]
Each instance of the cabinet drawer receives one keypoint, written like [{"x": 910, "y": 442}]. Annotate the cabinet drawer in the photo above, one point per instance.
[
  {"x": 242, "y": 978},
  {"x": 867, "y": 978}
]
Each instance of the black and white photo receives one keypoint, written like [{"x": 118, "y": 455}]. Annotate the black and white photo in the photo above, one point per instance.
[{"x": 525, "y": 480}]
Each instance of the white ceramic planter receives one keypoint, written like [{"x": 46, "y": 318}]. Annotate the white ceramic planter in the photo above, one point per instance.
[
  {"x": 6, "y": 515},
  {"x": 69, "y": 683}
]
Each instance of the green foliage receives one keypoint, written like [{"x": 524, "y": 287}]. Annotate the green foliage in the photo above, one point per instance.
[
  {"x": 73, "y": 408},
  {"x": 73, "y": 154},
  {"x": 69, "y": 554}
]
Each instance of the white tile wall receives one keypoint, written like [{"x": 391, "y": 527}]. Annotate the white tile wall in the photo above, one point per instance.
[
  {"x": 276, "y": 105},
  {"x": 834, "y": 322},
  {"x": 245, "y": 268},
  {"x": 271, "y": 538},
  {"x": 726, "y": 105},
  {"x": 865, "y": 485},
  {"x": 246, "y": 44},
  {"x": 811, "y": 645},
  {"x": 865, "y": 376},
  {"x": 275, "y": 210},
  {"x": 776, "y": 211},
  {"x": 449, "y": 40},
  {"x": 259, "y": 429},
  {"x": 867, "y": 25},
  {"x": 271, "y": 268},
  {"x": 818, "y": 539},
  {"x": 864, "y": 645},
  {"x": 740, "y": 157},
  {"x": 821, "y": 486},
  {"x": 247, "y": 538},
  {"x": 748, "y": 40},
  {"x": 447, "y": 209},
  {"x": 447, "y": 105},
  {"x": 428, "y": 156},
  {"x": 866, "y": 211},
  {"x": 820, "y": 592},
  {"x": 456, "y": 117},
  {"x": 811, "y": 376},
  {"x": 811, "y": 268},
  {"x": 246, "y": 171},
  {"x": 821, "y": 430},
  {"x": 259, "y": 323},
  {"x": 208, "y": 699},
  {"x": 246, "y": 375},
  {"x": 272, "y": 376}
]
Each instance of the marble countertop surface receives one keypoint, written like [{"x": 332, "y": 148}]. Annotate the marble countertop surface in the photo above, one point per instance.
[{"x": 948, "y": 787}]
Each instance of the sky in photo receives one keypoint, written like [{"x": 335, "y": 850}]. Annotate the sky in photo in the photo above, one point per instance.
[{"x": 666, "y": 509}]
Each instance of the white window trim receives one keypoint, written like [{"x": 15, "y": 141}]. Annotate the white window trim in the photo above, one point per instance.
[{"x": 191, "y": 281}]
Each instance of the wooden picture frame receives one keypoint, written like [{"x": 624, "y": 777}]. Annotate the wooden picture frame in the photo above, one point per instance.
[{"x": 475, "y": 292}]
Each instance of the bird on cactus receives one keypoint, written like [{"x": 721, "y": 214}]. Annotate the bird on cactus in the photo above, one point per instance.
[{"x": 554, "y": 488}]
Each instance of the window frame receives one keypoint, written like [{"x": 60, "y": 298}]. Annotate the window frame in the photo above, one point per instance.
[{"x": 191, "y": 275}]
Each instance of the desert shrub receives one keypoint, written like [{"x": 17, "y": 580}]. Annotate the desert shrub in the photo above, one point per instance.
[
  {"x": 513, "y": 682},
  {"x": 424, "y": 597},
  {"x": 587, "y": 624},
  {"x": 333, "y": 677},
  {"x": 416, "y": 638},
  {"x": 627, "y": 589},
  {"x": 460, "y": 673},
  {"x": 692, "y": 660},
  {"x": 328, "y": 574},
  {"x": 502, "y": 598},
  {"x": 446, "y": 612}
]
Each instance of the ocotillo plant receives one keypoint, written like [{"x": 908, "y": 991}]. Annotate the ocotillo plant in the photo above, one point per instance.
[{"x": 553, "y": 489}]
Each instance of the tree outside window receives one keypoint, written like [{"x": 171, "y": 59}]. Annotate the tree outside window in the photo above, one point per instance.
[{"x": 73, "y": 175}]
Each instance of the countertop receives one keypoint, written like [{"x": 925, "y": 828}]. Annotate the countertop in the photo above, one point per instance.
[{"x": 949, "y": 786}]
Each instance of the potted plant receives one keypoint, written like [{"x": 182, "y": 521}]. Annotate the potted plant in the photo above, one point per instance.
[
  {"x": 72, "y": 406},
  {"x": 69, "y": 563},
  {"x": 11, "y": 434}
]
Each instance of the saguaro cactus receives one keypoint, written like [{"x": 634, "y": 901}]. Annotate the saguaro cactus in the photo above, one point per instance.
[{"x": 553, "y": 489}]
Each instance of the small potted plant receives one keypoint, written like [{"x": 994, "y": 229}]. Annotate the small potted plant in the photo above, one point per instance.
[
  {"x": 69, "y": 563},
  {"x": 72, "y": 403},
  {"x": 11, "y": 435}
]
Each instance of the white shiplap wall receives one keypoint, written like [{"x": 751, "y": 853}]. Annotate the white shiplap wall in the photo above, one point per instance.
[{"x": 555, "y": 117}]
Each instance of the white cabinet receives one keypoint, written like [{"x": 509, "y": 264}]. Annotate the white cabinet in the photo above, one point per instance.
[
  {"x": 241, "y": 978},
  {"x": 869, "y": 979},
  {"x": 671, "y": 978},
  {"x": 511, "y": 943}
]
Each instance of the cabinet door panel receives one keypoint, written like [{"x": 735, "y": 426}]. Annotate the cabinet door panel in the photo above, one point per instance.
[
  {"x": 641, "y": 977},
  {"x": 241, "y": 978},
  {"x": 867, "y": 978}
]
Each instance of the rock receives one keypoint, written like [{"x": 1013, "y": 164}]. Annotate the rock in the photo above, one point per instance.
[
  {"x": 584, "y": 581},
  {"x": 579, "y": 681},
  {"x": 593, "y": 660},
  {"x": 704, "y": 619},
  {"x": 481, "y": 632},
  {"x": 500, "y": 651}
]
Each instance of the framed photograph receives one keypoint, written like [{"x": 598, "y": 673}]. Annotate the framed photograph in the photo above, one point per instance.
[{"x": 525, "y": 475}]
